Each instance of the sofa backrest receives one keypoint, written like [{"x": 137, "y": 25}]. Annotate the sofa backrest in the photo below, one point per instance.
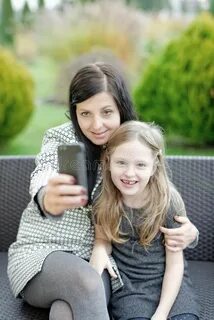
[
  {"x": 14, "y": 195},
  {"x": 193, "y": 176}
]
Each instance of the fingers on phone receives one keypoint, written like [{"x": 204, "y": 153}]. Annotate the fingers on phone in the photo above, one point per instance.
[
  {"x": 62, "y": 179},
  {"x": 71, "y": 190},
  {"x": 74, "y": 201}
]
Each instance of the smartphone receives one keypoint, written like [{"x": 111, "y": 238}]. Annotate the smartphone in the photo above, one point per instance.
[{"x": 72, "y": 160}]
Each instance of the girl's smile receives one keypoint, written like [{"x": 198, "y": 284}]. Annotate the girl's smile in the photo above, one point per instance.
[{"x": 128, "y": 183}]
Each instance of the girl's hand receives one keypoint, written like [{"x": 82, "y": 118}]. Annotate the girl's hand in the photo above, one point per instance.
[
  {"x": 179, "y": 238},
  {"x": 61, "y": 193},
  {"x": 100, "y": 260},
  {"x": 157, "y": 316}
]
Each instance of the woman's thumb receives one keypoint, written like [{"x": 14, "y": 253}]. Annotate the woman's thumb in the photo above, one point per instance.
[{"x": 181, "y": 219}]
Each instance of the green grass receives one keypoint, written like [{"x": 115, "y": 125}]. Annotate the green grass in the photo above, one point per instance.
[
  {"x": 29, "y": 141},
  {"x": 191, "y": 151},
  {"x": 44, "y": 72}
]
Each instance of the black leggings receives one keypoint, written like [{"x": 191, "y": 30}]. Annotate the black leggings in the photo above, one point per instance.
[
  {"x": 184, "y": 316},
  {"x": 70, "y": 287}
]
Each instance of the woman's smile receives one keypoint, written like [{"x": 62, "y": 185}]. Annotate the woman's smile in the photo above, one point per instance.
[{"x": 99, "y": 134}]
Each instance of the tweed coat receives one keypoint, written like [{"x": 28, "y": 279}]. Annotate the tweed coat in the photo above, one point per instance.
[{"x": 38, "y": 235}]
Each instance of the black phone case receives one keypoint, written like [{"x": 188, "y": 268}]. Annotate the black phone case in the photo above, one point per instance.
[{"x": 72, "y": 160}]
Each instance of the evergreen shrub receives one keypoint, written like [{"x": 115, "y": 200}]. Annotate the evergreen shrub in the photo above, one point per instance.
[
  {"x": 16, "y": 96},
  {"x": 177, "y": 89}
]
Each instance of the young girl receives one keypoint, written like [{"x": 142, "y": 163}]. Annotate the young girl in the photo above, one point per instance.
[{"x": 136, "y": 199}]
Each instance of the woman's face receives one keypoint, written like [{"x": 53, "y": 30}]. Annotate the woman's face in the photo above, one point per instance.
[{"x": 98, "y": 117}]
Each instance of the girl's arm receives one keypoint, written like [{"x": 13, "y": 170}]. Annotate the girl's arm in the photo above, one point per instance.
[
  {"x": 100, "y": 254},
  {"x": 171, "y": 284}
]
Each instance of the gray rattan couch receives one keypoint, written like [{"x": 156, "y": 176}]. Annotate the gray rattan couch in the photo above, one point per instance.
[{"x": 194, "y": 177}]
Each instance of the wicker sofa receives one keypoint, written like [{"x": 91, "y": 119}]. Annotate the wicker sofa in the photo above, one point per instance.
[{"x": 194, "y": 177}]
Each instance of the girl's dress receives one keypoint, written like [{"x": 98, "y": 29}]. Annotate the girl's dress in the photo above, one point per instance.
[{"x": 142, "y": 273}]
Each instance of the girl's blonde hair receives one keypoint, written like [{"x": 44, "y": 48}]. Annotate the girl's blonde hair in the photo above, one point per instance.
[{"x": 108, "y": 208}]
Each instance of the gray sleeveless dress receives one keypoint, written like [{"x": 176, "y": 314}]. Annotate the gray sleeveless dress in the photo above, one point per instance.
[{"x": 142, "y": 273}]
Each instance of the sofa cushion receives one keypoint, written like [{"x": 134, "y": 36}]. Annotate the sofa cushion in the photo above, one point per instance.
[{"x": 202, "y": 275}]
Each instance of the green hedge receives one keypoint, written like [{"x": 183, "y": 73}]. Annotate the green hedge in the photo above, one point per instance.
[
  {"x": 16, "y": 96},
  {"x": 177, "y": 89}
]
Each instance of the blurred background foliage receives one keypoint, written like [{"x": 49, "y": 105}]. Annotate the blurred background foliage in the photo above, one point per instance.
[
  {"x": 16, "y": 96},
  {"x": 177, "y": 89},
  {"x": 159, "y": 46}
]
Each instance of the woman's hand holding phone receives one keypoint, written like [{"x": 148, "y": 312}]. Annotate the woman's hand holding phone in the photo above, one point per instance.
[
  {"x": 62, "y": 193},
  {"x": 67, "y": 190}
]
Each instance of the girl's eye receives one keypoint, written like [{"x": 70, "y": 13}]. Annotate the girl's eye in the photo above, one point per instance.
[
  {"x": 121, "y": 162},
  {"x": 141, "y": 165}
]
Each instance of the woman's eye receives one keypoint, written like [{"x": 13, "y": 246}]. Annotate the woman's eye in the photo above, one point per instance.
[
  {"x": 107, "y": 112},
  {"x": 84, "y": 113}
]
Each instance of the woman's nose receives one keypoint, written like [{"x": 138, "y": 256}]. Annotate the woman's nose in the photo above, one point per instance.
[{"x": 96, "y": 123}]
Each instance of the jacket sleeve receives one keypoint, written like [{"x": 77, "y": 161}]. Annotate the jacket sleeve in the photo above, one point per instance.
[{"x": 46, "y": 160}]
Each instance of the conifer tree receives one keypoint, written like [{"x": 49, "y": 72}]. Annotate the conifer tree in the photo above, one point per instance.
[{"x": 7, "y": 25}]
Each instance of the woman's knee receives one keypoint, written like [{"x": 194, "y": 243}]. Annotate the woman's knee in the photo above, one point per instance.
[
  {"x": 91, "y": 282},
  {"x": 63, "y": 277},
  {"x": 73, "y": 273},
  {"x": 60, "y": 310}
]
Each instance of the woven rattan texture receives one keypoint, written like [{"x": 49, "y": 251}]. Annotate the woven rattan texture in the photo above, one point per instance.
[
  {"x": 202, "y": 275},
  {"x": 15, "y": 309},
  {"x": 14, "y": 196},
  {"x": 194, "y": 178}
]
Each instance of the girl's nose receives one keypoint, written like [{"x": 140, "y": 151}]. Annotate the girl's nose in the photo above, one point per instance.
[{"x": 130, "y": 172}]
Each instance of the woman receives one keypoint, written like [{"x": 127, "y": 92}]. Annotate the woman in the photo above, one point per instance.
[{"x": 48, "y": 263}]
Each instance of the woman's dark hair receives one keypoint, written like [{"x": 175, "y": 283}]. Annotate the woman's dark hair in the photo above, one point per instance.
[{"x": 89, "y": 81}]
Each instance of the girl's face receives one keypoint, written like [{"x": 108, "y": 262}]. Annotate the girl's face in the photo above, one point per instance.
[
  {"x": 131, "y": 166},
  {"x": 98, "y": 117}
]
